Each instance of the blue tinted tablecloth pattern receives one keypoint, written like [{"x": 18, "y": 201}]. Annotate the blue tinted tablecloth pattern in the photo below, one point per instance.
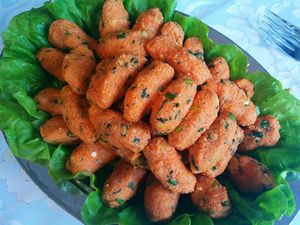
[{"x": 22, "y": 203}]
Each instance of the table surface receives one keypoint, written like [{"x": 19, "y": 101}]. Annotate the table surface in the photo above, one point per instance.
[{"x": 23, "y": 203}]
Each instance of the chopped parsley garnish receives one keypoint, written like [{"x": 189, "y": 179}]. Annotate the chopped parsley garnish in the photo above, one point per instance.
[
  {"x": 198, "y": 87},
  {"x": 162, "y": 120},
  {"x": 131, "y": 185},
  {"x": 205, "y": 83},
  {"x": 213, "y": 168},
  {"x": 188, "y": 101},
  {"x": 68, "y": 33},
  {"x": 108, "y": 125},
  {"x": 257, "y": 134},
  {"x": 116, "y": 192},
  {"x": 124, "y": 130},
  {"x": 225, "y": 203},
  {"x": 188, "y": 81},
  {"x": 145, "y": 94},
  {"x": 121, "y": 35},
  {"x": 199, "y": 55},
  {"x": 264, "y": 124},
  {"x": 176, "y": 105},
  {"x": 214, "y": 184},
  {"x": 134, "y": 60},
  {"x": 190, "y": 52},
  {"x": 231, "y": 116},
  {"x": 170, "y": 95},
  {"x": 84, "y": 43},
  {"x": 120, "y": 201},
  {"x": 136, "y": 140},
  {"x": 226, "y": 125},
  {"x": 172, "y": 182},
  {"x": 114, "y": 69},
  {"x": 70, "y": 134},
  {"x": 161, "y": 133},
  {"x": 170, "y": 179},
  {"x": 201, "y": 129},
  {"x": 177, "y": 114},
  {"x": 178, "y": 129},
  {"x": 163, "y": 103}
]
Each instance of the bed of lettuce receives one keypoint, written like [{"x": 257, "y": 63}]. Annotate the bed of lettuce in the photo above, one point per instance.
[{"x": 21, "y": 77}]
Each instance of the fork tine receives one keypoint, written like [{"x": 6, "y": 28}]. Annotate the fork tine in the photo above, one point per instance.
[
  {"x": 284, "y": 22},
  {"x": 278, "y": 41},
  {"x": 282, "y": 32},
  {"x": 288, "y": 31},
  {"x": 277, "y": 38}
]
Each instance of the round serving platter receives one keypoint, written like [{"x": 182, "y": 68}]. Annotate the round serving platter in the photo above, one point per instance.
[{"x": 72, "y": 203}]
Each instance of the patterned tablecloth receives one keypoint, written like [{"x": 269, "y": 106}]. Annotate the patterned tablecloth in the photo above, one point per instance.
[{"x": 21, "y": 201}]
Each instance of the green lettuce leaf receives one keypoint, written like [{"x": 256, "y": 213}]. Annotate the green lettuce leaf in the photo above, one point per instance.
[
  {"x": 58, "y": 171},
  {"x": 71, "y": 187},
  {"x": 193, "y": 27},
  {"x": 235, "y": 218},
  {"x": 26, "y": 34},
  {"x": 21, "y": 78},
  {"x": 235, "y": 57},
  {"x": 267, "y": 207},
  {"x": 181, "y": 220},
  {"x": 201, "y": 218},
  {"x": 95, "y": 212},
  {"x": 92, "y": 212},
  {"x": 288, "y": 160},
  {"x": 281, "y": 198},
  {"x": 286, "y": 108},
  {"x": 66, "y": 9},
  {"x": 90, "y": 15},
  {"x": 22, "y": 134},
  {"x": 265, "y": 86},
  {"x": 12, "y": 73},
  {"x": 136, "y": 7}
]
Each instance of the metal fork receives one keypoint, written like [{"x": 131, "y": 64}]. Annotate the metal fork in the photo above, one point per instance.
[{"x": 282, "y": 33}]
